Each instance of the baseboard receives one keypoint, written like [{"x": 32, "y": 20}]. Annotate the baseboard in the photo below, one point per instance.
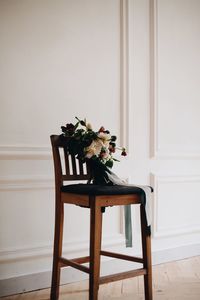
[
  {"x": 42, "y": 280},
  {"x": 173, "y": 254}
]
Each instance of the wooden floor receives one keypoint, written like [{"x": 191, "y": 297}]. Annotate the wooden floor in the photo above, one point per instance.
[{"x": 178, "y": 280}]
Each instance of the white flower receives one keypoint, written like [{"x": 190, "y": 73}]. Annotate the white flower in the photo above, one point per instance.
[
  {"x": 94, "y": 148},
  {"x": 89, "y": 126},
  {"x": 105, "y": 137}
]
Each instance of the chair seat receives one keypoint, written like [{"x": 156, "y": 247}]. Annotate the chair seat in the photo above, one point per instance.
[{"x": 92, "y": 189}]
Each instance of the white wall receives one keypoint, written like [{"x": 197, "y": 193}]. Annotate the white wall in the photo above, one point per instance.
[
  {"x": 132, "y": 66},
  {"x": 59, "y": 59},
  {"x": 164, "y": 120}
]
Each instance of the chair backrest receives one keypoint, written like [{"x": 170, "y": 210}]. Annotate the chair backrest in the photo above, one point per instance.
[{"x": 67, "y": 166}]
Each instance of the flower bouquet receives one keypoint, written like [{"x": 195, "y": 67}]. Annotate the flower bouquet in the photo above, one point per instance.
[{"x": 96, "y": 147}]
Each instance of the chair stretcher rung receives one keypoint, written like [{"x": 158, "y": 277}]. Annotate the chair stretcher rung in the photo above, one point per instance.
[
  {"x": 75, "y": 263},
  {"x": 81, "y": 260},
  {"x": 122, "y": 256},
  {"x": 122, "y": 276}
]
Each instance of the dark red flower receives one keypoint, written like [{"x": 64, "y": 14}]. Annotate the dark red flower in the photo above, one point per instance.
[
  {"x": 68, "y": 129},
  {"x": 124, "y": 152},
  {"x": 101, "y": 129},
  {"x": 70, "y": 126}
]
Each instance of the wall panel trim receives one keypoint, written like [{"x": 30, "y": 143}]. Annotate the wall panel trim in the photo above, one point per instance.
[
  {"x": 46, "y": 250},
  {"x": 26, "y": 183},
  {"x": 124, "y": 72},
  {"x": 21, "y": 151},
  {"x": 155, "y": 181},
  {"x": 155, "y": 150}
]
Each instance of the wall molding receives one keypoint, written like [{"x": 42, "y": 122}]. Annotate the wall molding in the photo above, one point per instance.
[
  {"x": 124, "y": 72},
  {"x": 155, "y": 181},
  {"x": 153, "y": 79},
  {"x": 70, "y": 248},
  {"x": 165, "y": 154},
  {"x": 24, "y": 152},
  {"x": 155, "y": 150},
  {"x": 16, "y": 183}
]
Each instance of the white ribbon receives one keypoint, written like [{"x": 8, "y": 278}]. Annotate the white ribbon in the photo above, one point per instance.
[{"x": 147, "y": 190}]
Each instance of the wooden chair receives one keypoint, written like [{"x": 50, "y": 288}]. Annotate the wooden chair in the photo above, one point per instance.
[{"x": 96, "y": 198}]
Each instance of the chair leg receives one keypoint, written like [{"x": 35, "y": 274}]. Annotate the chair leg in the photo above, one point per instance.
[
  {"x": 146, "y": 249},
  {"x": 95, "y": 248},
  {"x": 58, "y": 237}
]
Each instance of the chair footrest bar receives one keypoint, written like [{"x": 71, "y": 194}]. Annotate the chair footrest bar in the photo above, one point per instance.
[
  {"x": 122, "y": 256},
  {"x": 122, "y": 276},
  {"x": 75, "y": 263},
  {"x": 81, "y": 260}
]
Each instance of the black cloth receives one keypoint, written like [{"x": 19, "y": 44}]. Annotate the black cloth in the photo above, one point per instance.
[{"x": 92, "y": 189}]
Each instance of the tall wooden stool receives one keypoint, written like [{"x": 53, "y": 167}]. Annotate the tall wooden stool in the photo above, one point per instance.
[{"x": 96, "y": 198}]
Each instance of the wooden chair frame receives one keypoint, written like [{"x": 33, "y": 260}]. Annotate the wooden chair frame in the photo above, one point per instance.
[{"x": 96, "y": 205}]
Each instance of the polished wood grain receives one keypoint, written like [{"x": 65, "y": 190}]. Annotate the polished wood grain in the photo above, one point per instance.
[
  {"x": 146, "y": 251},
  {"x": 122, "y": 256},
  {"x": 95, "y": 247}
]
